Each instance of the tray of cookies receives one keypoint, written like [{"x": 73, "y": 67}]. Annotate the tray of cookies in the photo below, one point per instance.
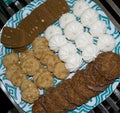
[{"x": 60, "y": 56}]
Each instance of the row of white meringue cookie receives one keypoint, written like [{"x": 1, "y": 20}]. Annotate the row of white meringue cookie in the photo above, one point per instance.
[{"x": 73, "y": 32}]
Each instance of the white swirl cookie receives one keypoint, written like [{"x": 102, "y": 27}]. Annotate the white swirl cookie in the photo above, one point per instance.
[
  {"x": 45, "y": 80},
  {"x": 65, "y": 19},
  {"x": 79, "y": 7},
  {"x": 73, "y": 29},
  {"x": 89, "y": 17},
  {"x": 74, "y": 62},
  {"x": 56, "y": 42},
  {"x": 10, "y": 59},
  {"x": 83, "y": 40},
  {"x": 98, "y": 28},
  {"x": 52, "y": 30},
  {"x": 106, "y": 43},
  {"x": 90, "y": 53},
  {"x": 66, "y": 51},
  {"x": 30, "y": 66}
]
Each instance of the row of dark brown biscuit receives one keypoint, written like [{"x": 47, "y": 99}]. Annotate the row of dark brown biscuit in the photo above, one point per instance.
[
  {"x": 81, "y": 87},
  {"x": 29, "y": 28}
]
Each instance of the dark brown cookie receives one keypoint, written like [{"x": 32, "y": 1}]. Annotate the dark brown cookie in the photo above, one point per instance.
[
  {"x": 49, "y": 105},
  {"x": 108, "y": 64},
  {"x": 99, "y": 78},
  {"x": 30, "y": 25},
  {"x": 59, "y": 99},
  {"x": 97, "y": 88},
  {"x": 14, "y": 38},
  {"x": 81, "y": 86},
  {"x": 37, "y": 107},
  {"x": 88, "y": 75},
  {"x": 20, "y": 49},
  {"x": 70, "y": 95}
]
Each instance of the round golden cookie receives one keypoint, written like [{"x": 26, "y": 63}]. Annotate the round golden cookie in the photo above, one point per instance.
[
  {"x": 38, "y": 51},
  {"x": 41, "y": 70},
  {"x": 10, "y": 59},
  {"x": 25, "y": 55},
  {"x": 45, "y": 57},
  {"x": 60, "y": 71},
  {"x": 30, "y": 66},
  {"x": 27, "y": 84},
  {"x": 52, "y": 61},
  {"x": 10, "y": 71},
  {"x": 30, "y": 95},
  {"x": 39, "y": 41},
  {"x": 18, "y": 78},
  {"x": 45, "y": 80}
]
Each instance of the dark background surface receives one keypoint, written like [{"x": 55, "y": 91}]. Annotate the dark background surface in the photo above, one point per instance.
[{"x": 5, "y": 104}]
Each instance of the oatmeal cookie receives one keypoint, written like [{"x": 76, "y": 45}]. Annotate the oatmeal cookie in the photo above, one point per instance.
[
  {"x": 27, "y": 84},
  {"x": 41, "y": 70},
  {"x": 45, "y": 80},
  {"x": 30, "y": 66},
  {"x": 18, "y": 78},
  {"x": 10, "y": 71},
  {"x": 10, "y": 59},
  {"x": 60, "y": 71},
  {"x": 30, "y": 95},
  {"x": 45, "y": 56},
  {"x": 39, "y": 41},
  {"x": 25, "y": 55},
  {"x": 51, "y": 62}
]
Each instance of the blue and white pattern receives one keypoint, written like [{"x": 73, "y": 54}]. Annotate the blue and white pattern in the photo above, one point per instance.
[{"x": 15, "y": 92}]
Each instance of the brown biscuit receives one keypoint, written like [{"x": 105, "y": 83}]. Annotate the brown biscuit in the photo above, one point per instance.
[
  {"x": 60, "y": 100},
  {"x": 14, "y": 37},
  {"x": 108, "y": 64},
  {"x": 20, "y": 49},
  {"x": 88, "y": 74},
  {"x": 32, "y": 25},
  {"x": 28, "y": 25},
  {"x": 49, "y": 105},
  {"x": 57, "y": 7},
  {"x": 98, "y": 78},
  {"x": 76, "y": 82},
  {"x": 37, "y": 106},
  {"x": 97, "y": 88},
  {"x": 81, "y": 87},
  {"x": 70, "y": 94}
]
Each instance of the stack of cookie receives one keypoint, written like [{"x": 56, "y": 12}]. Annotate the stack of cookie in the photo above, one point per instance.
[{"x": 81, "y": 87}]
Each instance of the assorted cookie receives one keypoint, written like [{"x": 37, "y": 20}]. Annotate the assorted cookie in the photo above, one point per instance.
[
  {"x": 35, "y": 69},
  {"x": 81, "y": 87},
  {"x": 39, "y": 64}
]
